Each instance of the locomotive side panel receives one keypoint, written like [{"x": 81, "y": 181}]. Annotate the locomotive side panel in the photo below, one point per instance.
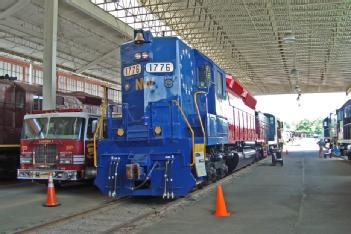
[{"x": 7, "y": 122}]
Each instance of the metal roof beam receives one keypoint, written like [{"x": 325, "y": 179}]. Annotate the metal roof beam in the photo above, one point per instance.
[
  {"x": 97, "y": 13},
  {"x": 96, "y": 61},
  {"x": 18, "y": 5}
]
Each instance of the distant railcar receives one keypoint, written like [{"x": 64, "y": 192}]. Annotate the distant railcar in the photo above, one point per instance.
[
  {"x": 274, "y": 132},
  {"x": 343, "y": 128},
  {"x": 261, "y": 131},
  {"x": 184, "y": 122}
]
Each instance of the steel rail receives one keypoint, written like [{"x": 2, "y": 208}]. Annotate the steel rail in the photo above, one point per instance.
[{"x": 73, "y": 216}]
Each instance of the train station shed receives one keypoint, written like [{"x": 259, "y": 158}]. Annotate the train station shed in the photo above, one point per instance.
[{"x": 140, "y": 116}]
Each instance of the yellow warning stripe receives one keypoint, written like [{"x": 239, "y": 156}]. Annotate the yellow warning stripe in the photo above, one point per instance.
[{"x": 10, "y": 146}]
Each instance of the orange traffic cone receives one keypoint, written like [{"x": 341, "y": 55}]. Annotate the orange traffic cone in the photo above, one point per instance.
[
  {"x": 221, "y": 209},
  {"x": 51, "y": 195}
]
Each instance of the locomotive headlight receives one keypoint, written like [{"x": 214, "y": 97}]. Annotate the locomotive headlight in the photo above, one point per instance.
[
  {"x": 145, "y": 55},
  {"x": 157, "y": 130},
  {"x": 120, "y": 132},
  {"x": 137, "y": 55}
]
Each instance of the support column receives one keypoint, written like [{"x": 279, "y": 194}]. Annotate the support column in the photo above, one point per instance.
[{"x": 49, "y": 60}]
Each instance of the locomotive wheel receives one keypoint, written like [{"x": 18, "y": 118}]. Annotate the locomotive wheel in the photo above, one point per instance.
[
  {"x": 211, "y": 174},
  {"x": 232, "y": 163}
]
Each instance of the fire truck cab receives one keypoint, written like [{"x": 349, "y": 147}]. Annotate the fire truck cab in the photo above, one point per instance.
[{"x": 58, "y": 141}]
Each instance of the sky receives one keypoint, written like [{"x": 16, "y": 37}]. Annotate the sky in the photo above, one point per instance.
[{"x": 310, "y": 106}]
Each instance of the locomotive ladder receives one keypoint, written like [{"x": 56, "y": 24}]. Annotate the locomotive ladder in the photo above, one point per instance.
[{"x": 198, "y": 150}]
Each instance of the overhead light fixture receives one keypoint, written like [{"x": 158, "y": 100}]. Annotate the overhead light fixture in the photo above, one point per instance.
[
  {"x": 294, "y": 72},
  {"x": 298, "y": 97},
  {"x": 289, "y": 38}
]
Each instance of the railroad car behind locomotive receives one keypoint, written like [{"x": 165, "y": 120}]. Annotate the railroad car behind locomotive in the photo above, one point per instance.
[
  {"x": 343, "y": 128},
  {"x": 261, "y": 131},
  {"x": 16, "y": 99},
  {"x": 330, "y": 128},
  {"x": 274, "y": 132},
  {"x": 184, "y": 122}
]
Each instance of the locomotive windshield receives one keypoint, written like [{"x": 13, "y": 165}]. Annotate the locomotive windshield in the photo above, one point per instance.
[{"x": 57, "y": 128}]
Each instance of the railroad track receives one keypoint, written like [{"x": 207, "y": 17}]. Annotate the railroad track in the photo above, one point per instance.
[{"x": 127, "y": 214}]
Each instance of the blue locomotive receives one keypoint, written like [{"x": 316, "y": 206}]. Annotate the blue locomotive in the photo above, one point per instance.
[{"x": 184, "y": 122}]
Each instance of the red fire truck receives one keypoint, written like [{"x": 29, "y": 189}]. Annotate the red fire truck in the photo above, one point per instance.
[{"x": 58, "y": 141}]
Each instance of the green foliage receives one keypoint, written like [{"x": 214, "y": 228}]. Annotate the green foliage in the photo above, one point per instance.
[{"x": 310, "y": 126}]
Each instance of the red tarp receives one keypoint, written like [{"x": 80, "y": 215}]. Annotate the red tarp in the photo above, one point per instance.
[{"x": 234, "y": 86}]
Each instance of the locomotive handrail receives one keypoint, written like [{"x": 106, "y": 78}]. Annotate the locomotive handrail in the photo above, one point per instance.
[
  {"x": 191, "y": 130},
  {"x": 99, "y": 129},
  {"x": 199, "y": 116}
]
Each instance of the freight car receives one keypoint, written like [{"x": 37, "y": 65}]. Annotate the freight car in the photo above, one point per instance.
[
  {"x": 184, "y": 122},
  {"x": 16, "y": 99}
]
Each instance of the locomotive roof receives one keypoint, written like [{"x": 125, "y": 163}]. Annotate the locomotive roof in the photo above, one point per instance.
[
  {"x": 348, "y": 103},
  {"x": 33, "y": 88}
]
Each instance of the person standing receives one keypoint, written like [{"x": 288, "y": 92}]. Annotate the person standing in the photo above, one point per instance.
[{"x": 321, "y": 144}]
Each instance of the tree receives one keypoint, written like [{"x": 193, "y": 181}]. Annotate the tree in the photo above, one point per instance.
[{"x": 310, "y": 126}]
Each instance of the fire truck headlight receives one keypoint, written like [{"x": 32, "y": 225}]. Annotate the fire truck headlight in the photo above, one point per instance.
[
  {"x": 65, "y": 158},
  {"x": 26, "y": 158}
]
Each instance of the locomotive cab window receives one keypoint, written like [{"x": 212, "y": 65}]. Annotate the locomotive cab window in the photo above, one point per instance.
[
  {"x": 220, "y": 84},
  {"x": 204, "y": 76},
  {"x": 347, "y": 112}
]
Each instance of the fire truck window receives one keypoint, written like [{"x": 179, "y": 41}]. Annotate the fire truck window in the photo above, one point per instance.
[
  {"x": 19, "y": 99},
  {"x": 204, "y": 76},
  {"x": 35, "y": 128},
  {"x": 66, "y": 128},
  {"x": 92, "y": 124}
]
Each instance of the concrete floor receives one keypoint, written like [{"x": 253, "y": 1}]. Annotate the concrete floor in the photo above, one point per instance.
[
  {"x": 21, "y": 203},
  {"x": 306, "y": 195}
]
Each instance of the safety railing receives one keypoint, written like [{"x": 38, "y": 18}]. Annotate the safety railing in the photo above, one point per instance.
[
  {"x": 190, "y": 129},
  {"x": 200, "y": 120},
  {"x": 99, "y": 128}
]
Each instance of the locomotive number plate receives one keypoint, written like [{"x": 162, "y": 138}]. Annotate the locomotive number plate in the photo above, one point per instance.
[
  {"x": 132, "y": 70},
  {"x": 159, "y": 67}
]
